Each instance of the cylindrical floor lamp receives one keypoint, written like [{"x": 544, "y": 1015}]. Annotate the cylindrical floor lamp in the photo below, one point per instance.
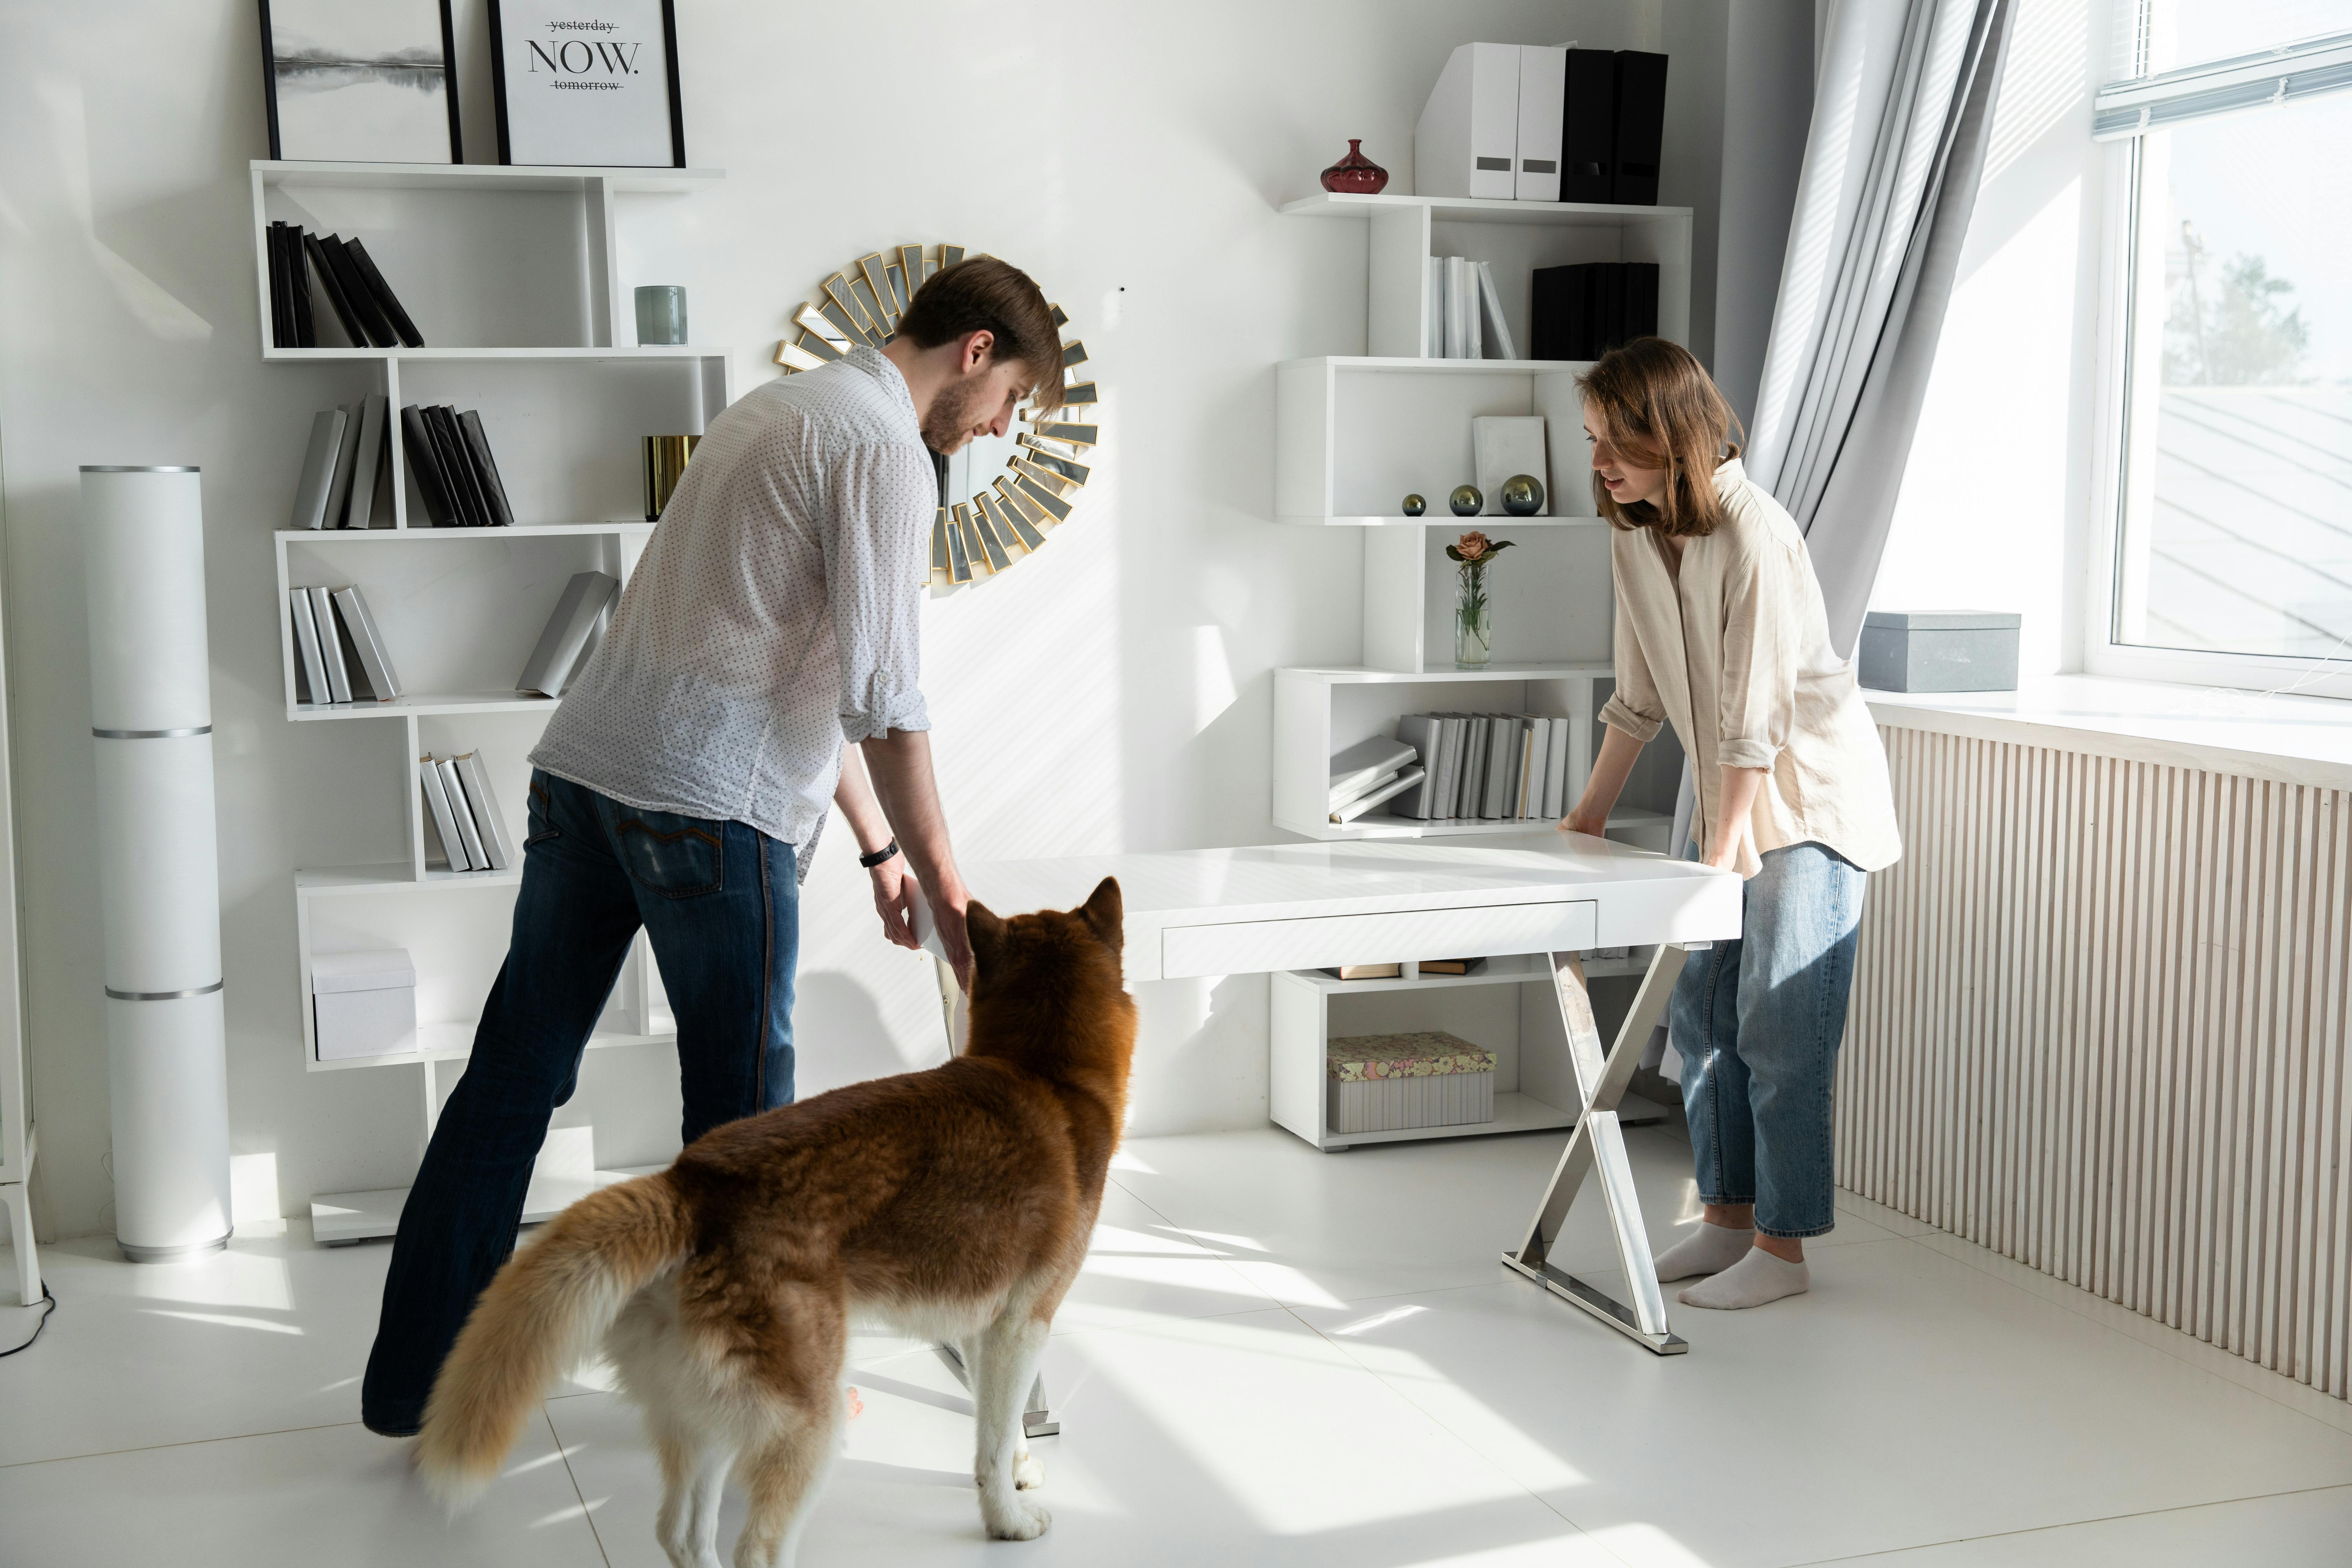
[{"x": 150, "y": 705}]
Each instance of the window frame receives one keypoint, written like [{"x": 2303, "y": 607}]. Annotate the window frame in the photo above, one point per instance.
[{"x": 2124, "y": 338}]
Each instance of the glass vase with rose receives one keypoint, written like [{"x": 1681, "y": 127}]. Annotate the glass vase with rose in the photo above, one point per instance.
[{"x": 1474, "y": 612}]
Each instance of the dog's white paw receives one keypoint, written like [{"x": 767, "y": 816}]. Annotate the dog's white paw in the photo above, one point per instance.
[
  {"x": 1028, "y": 1472},
  {"x": 1017, "y": 1518}
]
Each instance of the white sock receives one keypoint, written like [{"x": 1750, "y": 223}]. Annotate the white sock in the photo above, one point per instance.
[
  {"x": 1753, "y": 1280},
  {"x": 1708, "y": 1250}
]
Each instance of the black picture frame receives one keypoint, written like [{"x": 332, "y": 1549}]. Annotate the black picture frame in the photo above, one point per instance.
[
  {"x": 269, "y": 73},
  {"x": 505, "y": 108}
]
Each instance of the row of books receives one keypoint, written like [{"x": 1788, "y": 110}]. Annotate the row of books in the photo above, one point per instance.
[
  {"x": 465, "y": 813},
  {"x": 1533, "y": 123},
  {"x": 339, "y": 654},
  {"x": 1466, "y": 312},
  {"x": 1583, "y": 311},
  {"x": 364, "y": 305},
  {"x": 347, "y": 472},
  {"x": 449, "y": 457},
  {"x": 1443, "y": 767}
]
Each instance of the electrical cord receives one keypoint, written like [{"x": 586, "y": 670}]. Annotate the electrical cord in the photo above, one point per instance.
[{"x": 28, "y": 1344}]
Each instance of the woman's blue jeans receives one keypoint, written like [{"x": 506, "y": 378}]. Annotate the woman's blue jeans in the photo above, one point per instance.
[
  {"x": 720, "y": 903},
  {"x": 1756, "y": 1024}
]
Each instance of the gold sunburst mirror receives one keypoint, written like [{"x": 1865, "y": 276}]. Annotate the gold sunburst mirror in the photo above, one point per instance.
[{"x": 1002, "y": 496}]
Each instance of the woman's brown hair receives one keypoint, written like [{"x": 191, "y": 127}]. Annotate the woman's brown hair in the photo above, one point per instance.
[{"x": 1657, "y": 405}]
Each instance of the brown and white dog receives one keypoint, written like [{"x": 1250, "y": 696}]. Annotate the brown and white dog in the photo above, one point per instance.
[{"x": 953, "y": 1205}]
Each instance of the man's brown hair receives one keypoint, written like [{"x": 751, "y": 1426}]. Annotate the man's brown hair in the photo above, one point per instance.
[
  {"x": 1653, "y": 402},
  {"x": 982, "y": 293}
]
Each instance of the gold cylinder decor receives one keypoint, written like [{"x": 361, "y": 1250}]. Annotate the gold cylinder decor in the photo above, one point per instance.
[{"x": 666, "y": 458}]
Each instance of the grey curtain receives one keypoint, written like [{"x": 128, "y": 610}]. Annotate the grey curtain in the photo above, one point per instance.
[{"x": 1903, "y": 111}]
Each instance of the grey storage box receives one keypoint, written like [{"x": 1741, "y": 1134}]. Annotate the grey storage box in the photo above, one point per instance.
[
  {"x": 363, "y": 1004},
  {"x": 1973, "y": 650}
]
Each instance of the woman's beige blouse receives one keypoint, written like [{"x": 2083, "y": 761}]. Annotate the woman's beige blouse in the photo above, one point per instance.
[{"x": 1742, "y": 642}]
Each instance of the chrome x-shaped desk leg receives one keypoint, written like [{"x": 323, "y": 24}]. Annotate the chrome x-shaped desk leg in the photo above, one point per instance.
[
  {"x": 1036, "y": 1416},
  {"x": 1599, "y": 1145}
]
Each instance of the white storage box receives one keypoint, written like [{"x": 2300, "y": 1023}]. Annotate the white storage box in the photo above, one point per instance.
[
  {"x": 1389, "y": 1083},
  {"x": 363, "y": 1004}
]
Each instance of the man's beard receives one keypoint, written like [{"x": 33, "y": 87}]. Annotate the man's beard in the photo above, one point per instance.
[{"x": 954, "y": 411}]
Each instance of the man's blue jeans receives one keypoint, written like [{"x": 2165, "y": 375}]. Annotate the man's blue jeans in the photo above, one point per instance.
[
  {"x": 720, "y": 903},
  {"x": 1757, "y": 1023}
]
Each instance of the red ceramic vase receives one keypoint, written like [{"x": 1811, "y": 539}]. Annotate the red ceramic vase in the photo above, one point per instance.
[{"x": 1355, "y": 175}]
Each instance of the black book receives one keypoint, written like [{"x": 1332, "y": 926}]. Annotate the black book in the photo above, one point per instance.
[
  {"x": 333, "y": 288},
  {"x": 355, "y": 289},
  {"x": 1588, "y": 126},
  {"x": 1609, "y": 318},
  {"x": 281, "y": 300},
  {"x": 456, "y": 468},
  {"x": 298, "y": 278},
  {"x": 389, "y": 301},
  {"x": 486, "y": 467},
  {"x": 1555, "y": 303},
  {"x": 424, "y": 465},
  {"x": 1641, "y": 127},
  {"x": 1641, "y": 299}
]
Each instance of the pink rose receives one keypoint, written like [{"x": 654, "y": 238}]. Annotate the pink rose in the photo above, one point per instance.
[{"x": 1473, "y": 546}]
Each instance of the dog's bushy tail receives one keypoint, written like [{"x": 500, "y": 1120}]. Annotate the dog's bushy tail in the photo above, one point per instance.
[{"x": 548, "y": 1307}]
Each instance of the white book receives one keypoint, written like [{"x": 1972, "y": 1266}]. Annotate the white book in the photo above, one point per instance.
[
  {"x": 331, "y": 644},
  {"x": 306, "y": 649},
  {"x": 1433, "y": 340},
  {"x": 1396, "y": 786},
  {"x": 1502, "y": 787},
  {"x": 444, "y": 823},
  {"x": 1556, "y": 800},
  {"x": 1539, "y": 762},
  {"x": 347, "y": 452},
  {"x": 368, "y": 464},
  {"x": 1365, "y": 764},
  {"x": 318, "y": 480},
  {"x": 1499, "y": 331},
  {"x": 1543, "y": 98},
  {"x": 489, "y": 822},
  {"x": 469, "y": 834},
  {"x": 556, "y": 658},
  {"x": 1521, "y": 775},
  {"x": 1457, "y": 326},
  {"x": 376, "y": 661},
  {"x": 1473, "y": 342}
]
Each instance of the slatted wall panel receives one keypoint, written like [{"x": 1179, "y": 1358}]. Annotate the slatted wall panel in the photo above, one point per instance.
[{"x": 2099, "y": 1025}]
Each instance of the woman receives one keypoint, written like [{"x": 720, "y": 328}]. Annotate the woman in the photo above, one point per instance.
[{"x": 1720, "y": 630}]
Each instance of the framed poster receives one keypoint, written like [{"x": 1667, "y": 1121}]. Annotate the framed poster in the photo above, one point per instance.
[
  {"x": 593, "y": 85},
  {"x": 359, "y": 81}
]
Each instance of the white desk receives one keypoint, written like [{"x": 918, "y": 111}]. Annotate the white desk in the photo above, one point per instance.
[{"x": 1194, "y": 912}]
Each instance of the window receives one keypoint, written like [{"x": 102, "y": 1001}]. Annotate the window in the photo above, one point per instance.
[{"x": 2233, "y": 539}]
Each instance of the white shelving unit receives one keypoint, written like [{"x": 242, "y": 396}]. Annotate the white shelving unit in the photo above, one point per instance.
[
  {"x": 515, "y": 276},
  {"x": 1534, "y": 1084},
  {"x": 1354, "y": 434}
]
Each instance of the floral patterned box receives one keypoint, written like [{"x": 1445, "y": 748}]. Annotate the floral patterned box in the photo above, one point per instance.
[{"x": 1391, "y": 1083}]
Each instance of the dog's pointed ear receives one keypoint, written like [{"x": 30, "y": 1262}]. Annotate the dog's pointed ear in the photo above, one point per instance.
[
  {"x": 984, "y": 929},
  {"x": 1105, "y": 913}
]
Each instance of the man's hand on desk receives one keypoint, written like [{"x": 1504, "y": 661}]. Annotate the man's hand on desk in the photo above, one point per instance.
[{"x": 1582, "y": 822}]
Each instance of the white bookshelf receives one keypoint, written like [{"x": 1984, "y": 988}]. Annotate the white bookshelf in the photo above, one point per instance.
[
  {"x": 518, "y": 280},
  {"x": 1354, "y": 434}
]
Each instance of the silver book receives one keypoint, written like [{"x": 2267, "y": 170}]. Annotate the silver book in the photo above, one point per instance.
[
  {"x": 555, "y": 660},
  {"x": 376, "y": 663},
  {"x": 489, "y": 822},
  {"x": 467, "y": 834},
  {"x": 330, "y": 645},
  {"x": 444, "y": 823},
  {"x": 318, "y": 480}
]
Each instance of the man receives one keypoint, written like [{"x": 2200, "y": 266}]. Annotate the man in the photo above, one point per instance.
[{"x": 681, "y": 785}]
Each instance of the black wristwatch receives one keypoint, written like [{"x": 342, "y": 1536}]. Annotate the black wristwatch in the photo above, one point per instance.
[{"x": 871, "y": 861}]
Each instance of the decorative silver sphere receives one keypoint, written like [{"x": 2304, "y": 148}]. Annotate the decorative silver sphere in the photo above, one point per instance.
[
  {"x": 1466, "y": 502},
  {"x": 1523, "y": 495},
  {"x": 1414, "y": 506}
]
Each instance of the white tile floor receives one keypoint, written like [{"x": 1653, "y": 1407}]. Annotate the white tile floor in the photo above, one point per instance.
[{"x": 1276, "y": 1356}]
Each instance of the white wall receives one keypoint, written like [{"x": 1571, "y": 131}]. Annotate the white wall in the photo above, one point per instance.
[
  {"x": 1997, "y": 507},
  {"x": 1112, "y": 693}
]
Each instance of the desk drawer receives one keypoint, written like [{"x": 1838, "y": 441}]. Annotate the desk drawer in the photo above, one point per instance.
[{"x": 1254, "y": 947}]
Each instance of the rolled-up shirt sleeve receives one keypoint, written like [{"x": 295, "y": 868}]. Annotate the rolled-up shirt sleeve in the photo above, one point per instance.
[
  {"x": 1757, "y": 704},
  {"x": 1634, "y": 707},
  {"x": 880, "y": 505}
]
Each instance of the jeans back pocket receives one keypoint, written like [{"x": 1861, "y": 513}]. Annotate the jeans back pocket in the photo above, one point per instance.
[{"x": 677, "y": 856}]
